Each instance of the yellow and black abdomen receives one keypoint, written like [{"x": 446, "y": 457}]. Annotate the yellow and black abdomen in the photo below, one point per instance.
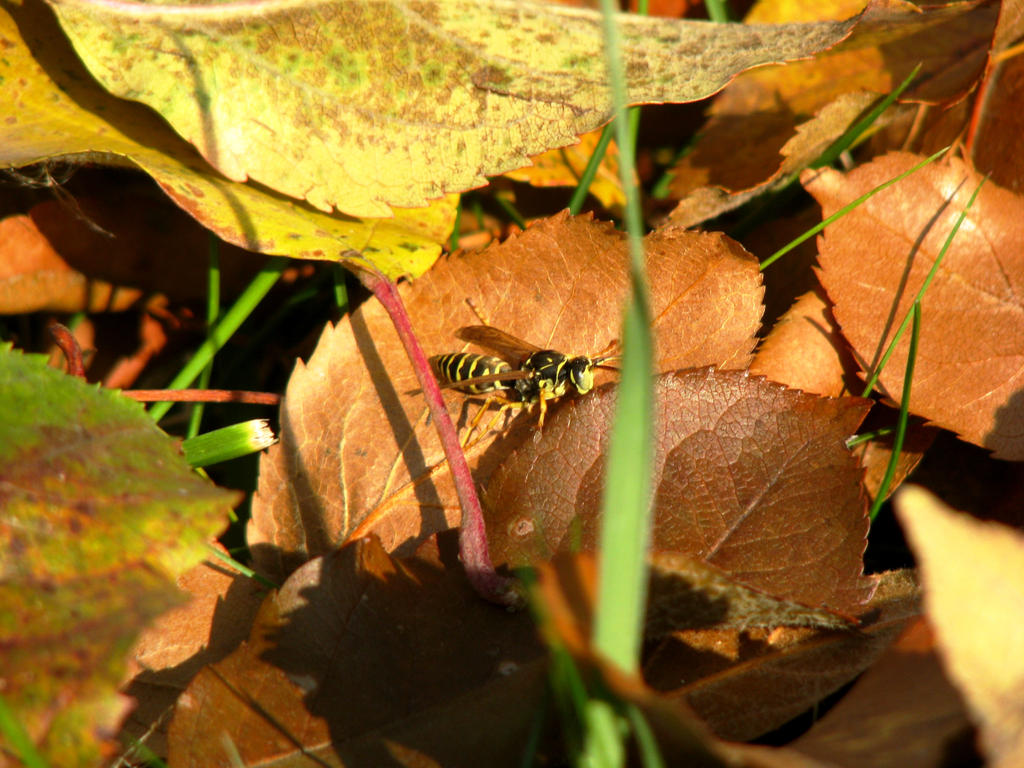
[{"x": 456, "y": 370}]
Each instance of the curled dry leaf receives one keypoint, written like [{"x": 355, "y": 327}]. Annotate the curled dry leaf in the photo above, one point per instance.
[
  {"x": 771, "y": 122},
  {"x": 970, "y": 360},
  {"x": 973, "y": 578},
  {"x": 362, "y": 659},
  {"x": 749, "y": 476},
  {"x": 744, "y": 684},
  {"x": 356, "y": 454},
  {"x": 743, "y": 681},
  {"x": 1000, "y": 122},
  {"x": 751, "y": 154}
]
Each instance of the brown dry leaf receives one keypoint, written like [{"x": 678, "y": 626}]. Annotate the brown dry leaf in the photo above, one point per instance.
[
  {"x": 107, "y": 251},
  {"x": 356, "y": 453},
  {"x": 751, "y": 153},
  {"x": 564, "y": 595},
  {"x": 169, "y": 653},
  {"x": 34, "y": 277},
  {"x": 749, "y": 476},
  {"x": 970, "y": 359},
  {"x": 744, "y": 684},
  {"x": 566, "y": 592},
  {"x": 563, "y": 167},
  {"x": 804, "y": 349},
  {"x": 1010, "y": 27},
  {"x": 727, "y": 167},
  {"x": 684, "y": 593},
  {"x": 688, "y": 593},
  {"x": 902, "y": 713},
  {"x": 361, "y": 659},
  {"x": 972, "y": 573},
  {"x": 994, "y": 145}
]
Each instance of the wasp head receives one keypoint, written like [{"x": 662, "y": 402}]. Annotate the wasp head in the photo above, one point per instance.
[{"x": 581, "y": 373}]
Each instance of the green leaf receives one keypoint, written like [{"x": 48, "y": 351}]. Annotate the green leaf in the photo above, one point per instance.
[{"x": 100, "y": 513}]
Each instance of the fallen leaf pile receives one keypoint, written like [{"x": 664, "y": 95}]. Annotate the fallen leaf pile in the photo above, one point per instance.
[{"x": 329, "y": 620}]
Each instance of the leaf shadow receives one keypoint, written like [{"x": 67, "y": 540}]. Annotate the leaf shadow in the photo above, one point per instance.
[
  {"x": 401, "y": 657},
  {"x": 156, "y": 691}
]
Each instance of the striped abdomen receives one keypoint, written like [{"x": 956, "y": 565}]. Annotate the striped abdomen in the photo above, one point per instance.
[{"x": 459, "y": 367}]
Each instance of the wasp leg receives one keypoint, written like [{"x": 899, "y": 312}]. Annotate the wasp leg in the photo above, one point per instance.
[
  {"x": 543, "y": 410},
  {"x": 506, "y": 405},
  {"x": 464, "y": 442}
]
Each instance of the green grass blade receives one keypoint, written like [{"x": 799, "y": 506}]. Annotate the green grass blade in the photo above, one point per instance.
[
  {"x": 228, "y": 443},
  {"x": 866, "y": 437},
  {"x": 625, "y": 523},
  {"x": 718, "y": 10},
  {"x": 647, "y": 745},
  {"x": 901, "y": 423},
  {"x": 606, "y": 732},
  {"x": 873, "y": 378},
  {"x": 847, "y": 208},
  {"x": 242, "y": 569},
  {"x": 852, "y": 134},
  {"x": 340, "y": 283},
  {"x": 626, "y": 508},
  {"x": 229, "y": 323},
  {"x": 453, "y": 241},
  {"x": 17, "y": 739},
  {"x": 510, "y": 210},
  {"x": 195, "y": 417},
  {"x": 579, "y": 195}
]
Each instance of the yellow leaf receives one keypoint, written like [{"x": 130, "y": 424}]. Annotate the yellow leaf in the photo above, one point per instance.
[
  {"x": 54, "y": 111},
  {"x": 563, "y": 168},
  {"x": 973, "y": 577},
  {"x": 367, "y": 104}
]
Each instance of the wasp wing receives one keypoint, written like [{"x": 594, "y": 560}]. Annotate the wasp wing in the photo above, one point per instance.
[{"x": 513, "y": 349}]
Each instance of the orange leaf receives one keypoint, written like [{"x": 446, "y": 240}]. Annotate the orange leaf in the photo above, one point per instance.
[{"x": 971, "y": 353}]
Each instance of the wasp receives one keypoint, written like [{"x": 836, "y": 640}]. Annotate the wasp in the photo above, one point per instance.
[{"x": 521, "y": 376}]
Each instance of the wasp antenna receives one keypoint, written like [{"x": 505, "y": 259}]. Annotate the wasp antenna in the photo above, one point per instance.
[{"x": 611, "y": 351}]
